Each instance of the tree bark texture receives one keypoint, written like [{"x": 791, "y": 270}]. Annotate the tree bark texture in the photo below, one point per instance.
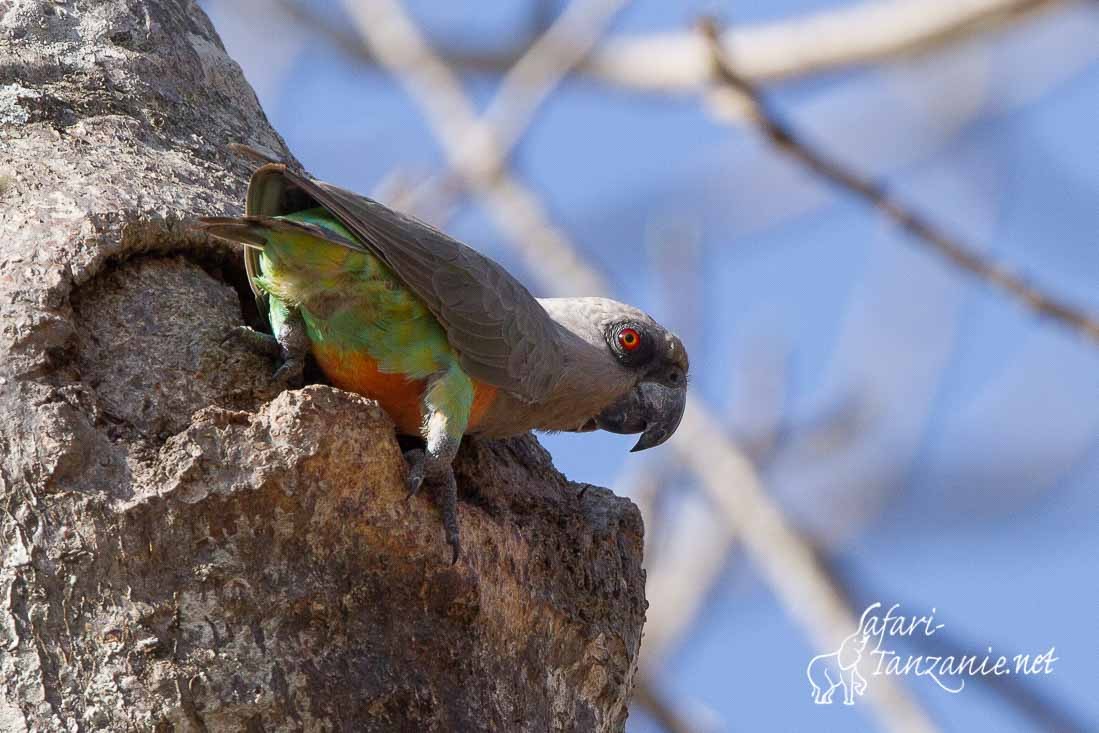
[{"x": 182, "y": 547}]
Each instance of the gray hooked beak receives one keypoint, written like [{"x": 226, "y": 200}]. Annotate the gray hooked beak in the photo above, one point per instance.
[{"x": 650, "y": 409}]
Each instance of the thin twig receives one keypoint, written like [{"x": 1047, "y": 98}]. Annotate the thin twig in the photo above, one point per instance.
[{"x": 786, "y": 139}]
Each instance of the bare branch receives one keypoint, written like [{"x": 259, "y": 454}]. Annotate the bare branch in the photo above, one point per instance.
[
  {"x": 786, "y": 139},
  {"x": 865, "y": 33}
]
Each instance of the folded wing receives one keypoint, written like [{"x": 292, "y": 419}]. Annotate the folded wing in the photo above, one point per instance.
[{"x": 502, "y": 335}]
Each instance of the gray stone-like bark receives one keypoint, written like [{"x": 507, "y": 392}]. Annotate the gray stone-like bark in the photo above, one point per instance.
[{"x": 181, "y": 546}]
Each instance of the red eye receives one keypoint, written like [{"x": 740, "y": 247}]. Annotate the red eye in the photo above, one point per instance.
[{"x": 629, "y": 338}]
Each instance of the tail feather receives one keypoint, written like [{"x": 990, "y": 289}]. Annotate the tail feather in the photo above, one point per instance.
[
  {"x": 253, "y": 231},
  {"x": 235, "y": 230}
]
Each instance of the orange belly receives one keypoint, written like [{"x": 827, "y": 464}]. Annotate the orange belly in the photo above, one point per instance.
[{"x": 399, "y": 396}]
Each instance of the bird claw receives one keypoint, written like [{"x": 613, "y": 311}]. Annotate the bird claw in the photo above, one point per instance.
[
  {"x": 420, "y": 465},
  {"x": 450, "y": 517},
  {"x": 291, "y": 372},
  {"x": 416, "y": 459},
  {"x": 261, "y": 343}
]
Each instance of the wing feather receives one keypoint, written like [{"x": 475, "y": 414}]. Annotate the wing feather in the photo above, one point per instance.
[{"x": 502, "y": 334}]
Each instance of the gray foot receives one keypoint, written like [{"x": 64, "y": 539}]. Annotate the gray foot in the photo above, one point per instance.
[
  {"x": 416, "y": 460},
  {"x": 261, "y": 343},
  {"x": 291, "y": 372},
  {"x": 291, "y": 354},
  {"x": 438, "y": 473}
]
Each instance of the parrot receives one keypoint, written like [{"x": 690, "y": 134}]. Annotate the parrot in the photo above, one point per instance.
[{"x": 442, "y": 337}]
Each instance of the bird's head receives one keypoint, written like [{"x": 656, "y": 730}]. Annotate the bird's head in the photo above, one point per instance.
[{"x": 624, "y": 354}]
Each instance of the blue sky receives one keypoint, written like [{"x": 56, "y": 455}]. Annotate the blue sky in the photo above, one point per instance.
[{"x": 970, "y": 481}]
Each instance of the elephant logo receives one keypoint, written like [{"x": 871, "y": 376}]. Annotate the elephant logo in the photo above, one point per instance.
[{"x": 826, "y": 672}]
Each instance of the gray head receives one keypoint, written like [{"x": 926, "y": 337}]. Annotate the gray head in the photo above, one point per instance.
[{"x": 641, "y": 366}]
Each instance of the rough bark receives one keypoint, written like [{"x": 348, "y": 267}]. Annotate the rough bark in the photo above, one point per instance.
[{"x": 181, "y": 546}]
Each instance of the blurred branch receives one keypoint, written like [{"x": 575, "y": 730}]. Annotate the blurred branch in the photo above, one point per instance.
[
  {"x": 680, "y": 584},
  {"x": 866, "y": 33},
  {"x": 649, "y": 483},
  {"x": 400, "y": 47},
  {"x": 783, "y": 558},
  {"x": 648, "y": 695},
  {"x": 351, "y": 43},
  {"x": 851, "y": 35},
  {"x": 490, "y": 140},
  {"x": 786, "y": 139},
  {"x": 544, "y": 65}
]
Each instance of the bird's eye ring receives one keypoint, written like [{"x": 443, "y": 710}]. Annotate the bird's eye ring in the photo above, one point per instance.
[{"x": 629, "y": 339}]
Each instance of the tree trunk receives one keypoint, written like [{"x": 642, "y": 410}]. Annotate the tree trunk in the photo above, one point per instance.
[{"x": 182, "y": 548}]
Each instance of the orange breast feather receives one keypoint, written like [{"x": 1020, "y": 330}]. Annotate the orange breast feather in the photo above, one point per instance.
[{"x": 399, "y": 396}]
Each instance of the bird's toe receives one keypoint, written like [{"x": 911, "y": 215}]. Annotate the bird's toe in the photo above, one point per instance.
[
  {"x": 416, "y": 461},
  {"x": 291, "y": 373},
  {"x": 261, "y": 343},
  {"x": 449, "y": 507}
]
